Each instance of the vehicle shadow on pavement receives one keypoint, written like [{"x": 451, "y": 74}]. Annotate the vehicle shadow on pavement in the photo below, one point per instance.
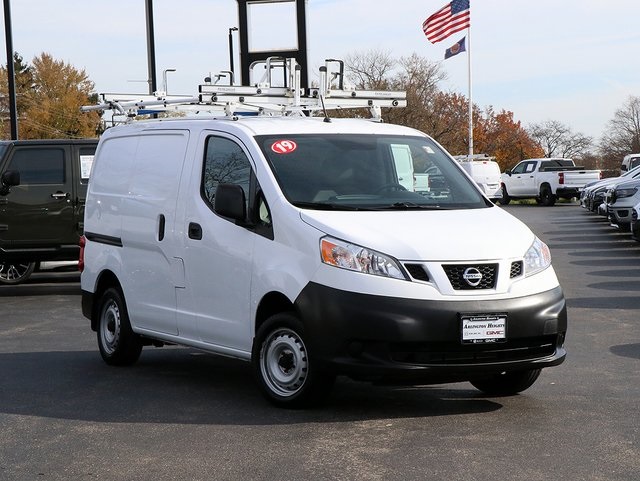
[
  {"x": 627, "y": 350},
  {"x": 183, "y": 386}
]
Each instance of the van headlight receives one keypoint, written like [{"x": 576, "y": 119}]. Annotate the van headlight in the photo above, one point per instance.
[
  {"x": 356, "y": 258},
  {"x": 537, "y": 258}
]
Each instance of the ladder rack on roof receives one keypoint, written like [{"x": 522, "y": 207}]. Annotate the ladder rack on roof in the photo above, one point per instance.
[{"x": 262, "y": 99}]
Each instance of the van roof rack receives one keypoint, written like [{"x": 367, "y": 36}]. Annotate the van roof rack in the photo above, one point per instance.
[
  {"x": 472, "y": 157},
  {"x": 260, "y": 99}
]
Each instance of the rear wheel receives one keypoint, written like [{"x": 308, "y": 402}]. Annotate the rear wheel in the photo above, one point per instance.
[
  {"x": 285, "y": 368},
  {"x": 546, "y": 196},
  {"x": 15, "y": 273},
  {"x": 505, "y": 199},
  {"x": 119, "y": 345},
  {"x": 507, "y": 383}
]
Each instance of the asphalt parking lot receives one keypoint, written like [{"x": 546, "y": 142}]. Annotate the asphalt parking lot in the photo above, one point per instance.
[{"x": 179, "y": 414}]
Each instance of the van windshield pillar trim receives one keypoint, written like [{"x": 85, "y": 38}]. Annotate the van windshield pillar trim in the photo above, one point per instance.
[{"x": 104, "y": 239}]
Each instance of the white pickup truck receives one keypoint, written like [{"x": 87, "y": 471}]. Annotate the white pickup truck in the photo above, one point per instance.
[{"x": 545, "y": 180}]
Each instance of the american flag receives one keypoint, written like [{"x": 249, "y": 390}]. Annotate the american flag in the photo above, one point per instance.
[{"x": 451, "y": 18}]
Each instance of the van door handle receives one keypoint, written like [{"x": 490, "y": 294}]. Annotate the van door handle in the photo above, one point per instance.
[
  {"x": 59, "y": 195},
  {"x": 195, "y": 231}
]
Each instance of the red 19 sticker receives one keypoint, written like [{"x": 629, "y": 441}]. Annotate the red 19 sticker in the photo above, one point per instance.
[{"x": 284, "y": 146}]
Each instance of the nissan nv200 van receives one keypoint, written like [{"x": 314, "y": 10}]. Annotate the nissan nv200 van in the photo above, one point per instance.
[{"x": 291, "y": 242}]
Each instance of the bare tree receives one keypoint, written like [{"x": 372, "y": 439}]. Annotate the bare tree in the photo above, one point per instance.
[
  {"x": 372, "y": 69},
  {"x": 623, "y": 131},
  {"x": 558, "y": 140}
]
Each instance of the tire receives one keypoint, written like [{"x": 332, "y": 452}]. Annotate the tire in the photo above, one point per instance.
[
  {"x": 507, "y": 383},
  {"x": 284, "y": 366},
  {"x": 11, "y": 273},
  {"x": 119, "y": 345},
  {"x": 546, "y": 196},
  {"x": 505, "y": 199}
]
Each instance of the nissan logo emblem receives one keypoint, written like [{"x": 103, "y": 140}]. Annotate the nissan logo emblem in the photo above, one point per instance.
[{"x": 472, "y": 276}]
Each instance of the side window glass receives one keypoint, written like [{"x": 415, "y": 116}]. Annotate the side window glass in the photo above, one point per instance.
[
  {"x": 224, "y": 162},
  {"x": 531, "y": 166},
  {"x": 86, "y": 163},
  {"x": 263, "y": 223},
  {"x": 518, "y": 169},
  {"x": 39, "y": 166}
]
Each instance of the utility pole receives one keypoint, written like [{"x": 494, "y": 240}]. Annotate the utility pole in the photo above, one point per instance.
[{"x": 11, "y": 73}]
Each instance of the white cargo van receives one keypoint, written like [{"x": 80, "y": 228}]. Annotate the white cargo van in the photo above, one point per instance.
[
  {"x": 485, "y": 172},
  {"x": 291, "y": 242}
]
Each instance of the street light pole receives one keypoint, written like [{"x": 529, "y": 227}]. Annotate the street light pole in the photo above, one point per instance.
[
  {"x": 11, "y": 73},
  {"x": 232, "y": 29}
]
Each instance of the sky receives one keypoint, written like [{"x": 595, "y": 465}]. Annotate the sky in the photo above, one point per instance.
[{"x": 574, "y": 61}]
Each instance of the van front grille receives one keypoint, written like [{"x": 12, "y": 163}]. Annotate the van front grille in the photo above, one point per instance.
[{"x": 471, "y": 276}]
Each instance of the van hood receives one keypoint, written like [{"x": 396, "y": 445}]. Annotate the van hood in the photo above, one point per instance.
[{"x": 451, "y": 235}]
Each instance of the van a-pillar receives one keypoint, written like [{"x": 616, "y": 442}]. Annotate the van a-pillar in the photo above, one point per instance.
[{"x": 247, "y": 58}]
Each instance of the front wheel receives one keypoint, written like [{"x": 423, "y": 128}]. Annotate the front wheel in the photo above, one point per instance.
[
  {"x": 15, "y": 273},
  {"x": 285, "y": 368},
  {"x": 507, "y": 383},
  {"x": 505, "y": 199},
  {"x": 119, "y": 345}
]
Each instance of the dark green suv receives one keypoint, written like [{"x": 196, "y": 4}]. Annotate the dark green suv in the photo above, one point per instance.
[{"x": 43, "y": 186}]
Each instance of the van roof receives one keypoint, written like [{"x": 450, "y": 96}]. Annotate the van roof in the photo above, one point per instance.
[{"x": 266, "y": 125}]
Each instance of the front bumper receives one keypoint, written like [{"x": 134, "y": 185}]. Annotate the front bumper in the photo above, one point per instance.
[
  {"x": 620, "y": 216},
  {"x": 390, "y": 339}
]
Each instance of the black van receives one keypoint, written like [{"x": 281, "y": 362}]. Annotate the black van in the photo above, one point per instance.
[{"x": 43, "y": 186}]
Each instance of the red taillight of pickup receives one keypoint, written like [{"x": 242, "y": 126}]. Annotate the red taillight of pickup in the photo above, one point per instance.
[
  {"x": 82, "y": 243},
  {"x": 561, "y": 178}
]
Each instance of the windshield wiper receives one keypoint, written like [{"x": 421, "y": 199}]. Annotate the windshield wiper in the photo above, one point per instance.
[
  {"x": 325, "y": 206},
  {"x": 411, "y": 205}
]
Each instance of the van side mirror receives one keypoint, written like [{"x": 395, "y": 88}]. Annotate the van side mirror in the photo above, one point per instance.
[
  {"x": 508, "y": 171},
  {"x": 230, "y": 202},
  {"x": 10, "y": 178}
]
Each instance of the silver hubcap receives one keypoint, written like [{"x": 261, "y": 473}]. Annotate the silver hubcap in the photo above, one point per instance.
[
  {"x": 284, "y": 363},
  {"x": 110, "y": 327}
]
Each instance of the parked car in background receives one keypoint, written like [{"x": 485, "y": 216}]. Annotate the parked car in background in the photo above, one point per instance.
[
  {"x": 42, "y": 197},
  {"x": 593, "y": 193},
  {"x": 620, "y": 200},
  {"x": 546, "y": 180},
  {"x": 635, "y": 222},
  {"x": 629, "y": 162},
  {"x": 485, "y": 172}
]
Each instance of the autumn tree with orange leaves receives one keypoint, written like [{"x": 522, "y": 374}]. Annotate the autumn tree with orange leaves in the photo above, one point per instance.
[{"x": 49, "y": 94}]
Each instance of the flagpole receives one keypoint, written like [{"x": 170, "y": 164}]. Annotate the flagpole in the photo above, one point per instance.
[{"x": 470, "y": 91}]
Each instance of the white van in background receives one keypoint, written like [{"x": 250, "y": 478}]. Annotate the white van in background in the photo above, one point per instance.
[
  {"x": 629, "y": 162},
  {"x": 485, "y": 171}
]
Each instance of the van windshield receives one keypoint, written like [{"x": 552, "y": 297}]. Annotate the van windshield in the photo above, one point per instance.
[{"x": 367, "y": 172}]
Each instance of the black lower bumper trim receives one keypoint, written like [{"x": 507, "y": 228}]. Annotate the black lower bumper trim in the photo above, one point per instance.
[{"x": 377, "y": 338}]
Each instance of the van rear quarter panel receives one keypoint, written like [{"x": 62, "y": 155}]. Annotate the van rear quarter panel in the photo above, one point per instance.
[{"x": 135, "y": 182}]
